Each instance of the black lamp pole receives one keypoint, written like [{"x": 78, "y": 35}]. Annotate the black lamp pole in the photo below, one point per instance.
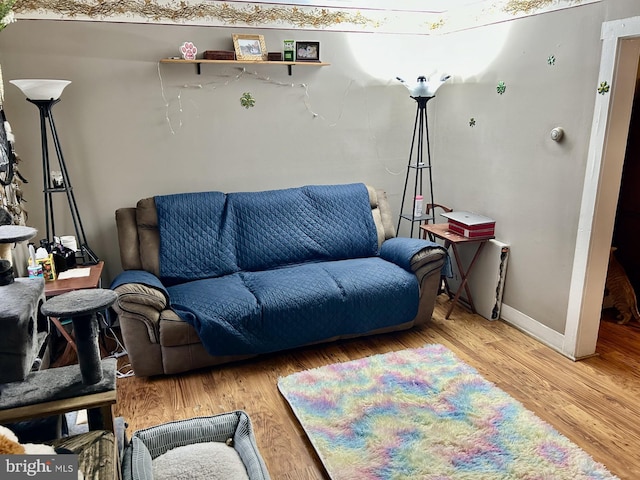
[
  {"x": 44, "y": 106},
  {"x": 420, "y": 134}
]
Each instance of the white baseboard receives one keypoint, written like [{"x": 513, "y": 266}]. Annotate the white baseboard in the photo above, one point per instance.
[{"x": 533, "y": 328}]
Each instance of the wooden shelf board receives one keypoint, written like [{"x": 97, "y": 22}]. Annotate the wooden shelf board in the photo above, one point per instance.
[{"x": 243, "y": 62}]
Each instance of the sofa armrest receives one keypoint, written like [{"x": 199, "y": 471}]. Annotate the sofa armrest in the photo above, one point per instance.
[
  {"x": 414, "y": 254},
  {"x": 141, "y": 297},
  {"x": 139, "y": 294},
  {"x": 143, "y": 278}
]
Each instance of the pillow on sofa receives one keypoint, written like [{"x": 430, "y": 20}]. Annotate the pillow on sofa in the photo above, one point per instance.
[{"x": 200, "y": 461}]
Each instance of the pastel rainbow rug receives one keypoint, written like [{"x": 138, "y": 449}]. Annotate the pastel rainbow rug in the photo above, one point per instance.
[{"x": 424, "y": 414}]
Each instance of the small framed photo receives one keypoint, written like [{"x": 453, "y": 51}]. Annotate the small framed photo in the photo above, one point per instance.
[
  {"x": 307, "y": 51},
  {"x": 249, "y": 47}
]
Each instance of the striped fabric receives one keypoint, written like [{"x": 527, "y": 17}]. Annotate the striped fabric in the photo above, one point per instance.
[
  {"x": 141, "y": 466},
  {"x": 152, "y": 442}
]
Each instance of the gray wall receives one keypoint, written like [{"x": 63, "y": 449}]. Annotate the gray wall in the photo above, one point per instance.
[{"x": 120, "y": 147}]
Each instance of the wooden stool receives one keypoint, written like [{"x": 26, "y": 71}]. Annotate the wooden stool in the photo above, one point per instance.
[{"x": 81, "y": 306}]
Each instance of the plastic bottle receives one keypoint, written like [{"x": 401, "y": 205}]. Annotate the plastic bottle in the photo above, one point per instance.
[{"x": 417, "y": 206}]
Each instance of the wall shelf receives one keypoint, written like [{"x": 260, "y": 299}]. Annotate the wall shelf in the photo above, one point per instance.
[{"x": 199, "y": 62}]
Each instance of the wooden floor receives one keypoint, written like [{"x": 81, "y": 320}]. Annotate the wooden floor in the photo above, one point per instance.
[{"x": 594, "y": 402}]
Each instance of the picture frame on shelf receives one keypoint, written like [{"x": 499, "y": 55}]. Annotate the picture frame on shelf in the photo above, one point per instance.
[
  {"x": 289, "y": 50},
  {"x": 249, "y": 47},
  {"x": 307, "y": 51}
]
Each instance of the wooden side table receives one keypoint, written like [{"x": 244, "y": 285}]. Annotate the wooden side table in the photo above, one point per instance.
[
  {"x": 441, "y": 231},
  {"x": 57, "y": 287}
]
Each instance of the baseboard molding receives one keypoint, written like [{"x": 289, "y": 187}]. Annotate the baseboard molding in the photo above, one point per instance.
[{"x": 533, "y": 328}]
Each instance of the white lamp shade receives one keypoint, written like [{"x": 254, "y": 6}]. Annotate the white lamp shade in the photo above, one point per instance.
[{"x": 41, "y": 89}]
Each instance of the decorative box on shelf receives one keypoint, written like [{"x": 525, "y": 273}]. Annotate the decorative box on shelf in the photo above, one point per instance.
[
  {"x": 219, "y": 55},
  {"x": 470, "y": 225}
]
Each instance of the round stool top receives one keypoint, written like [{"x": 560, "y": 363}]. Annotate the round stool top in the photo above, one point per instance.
[
  {"x": 16, "y": 233},
  {"x": 79, "y": 302}
]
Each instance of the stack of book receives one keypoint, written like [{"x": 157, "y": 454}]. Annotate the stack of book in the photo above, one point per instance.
[{"x": 470, "y": 225}]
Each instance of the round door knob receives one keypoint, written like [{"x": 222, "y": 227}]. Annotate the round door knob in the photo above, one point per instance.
[{"x": 557, "y": 134}]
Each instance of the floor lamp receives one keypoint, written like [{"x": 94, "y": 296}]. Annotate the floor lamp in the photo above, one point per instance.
[
  {"x": 44, "y": 94},
  {"x": 422, "y": 92}
]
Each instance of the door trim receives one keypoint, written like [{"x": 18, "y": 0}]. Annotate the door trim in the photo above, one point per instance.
[{"x": 607, "y": 145}]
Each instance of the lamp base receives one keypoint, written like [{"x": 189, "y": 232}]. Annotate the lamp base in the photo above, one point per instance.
[{"x": 88, "y": 256}]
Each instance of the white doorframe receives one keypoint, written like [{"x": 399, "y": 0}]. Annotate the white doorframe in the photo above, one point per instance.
[{"x": 612, "y": 113}]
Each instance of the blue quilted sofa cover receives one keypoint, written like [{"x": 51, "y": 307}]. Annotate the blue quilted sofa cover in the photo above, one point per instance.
[{"x": 265, "y": 271}]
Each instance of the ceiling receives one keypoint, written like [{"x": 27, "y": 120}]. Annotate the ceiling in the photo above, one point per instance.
[{"x": 423, "y": 17}]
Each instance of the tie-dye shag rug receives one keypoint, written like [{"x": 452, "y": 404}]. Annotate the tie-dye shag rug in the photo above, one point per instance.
[{"x": 424, "y": 414}]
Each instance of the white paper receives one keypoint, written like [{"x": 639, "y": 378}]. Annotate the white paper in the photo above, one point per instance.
[{"x": 74, "y": 273}]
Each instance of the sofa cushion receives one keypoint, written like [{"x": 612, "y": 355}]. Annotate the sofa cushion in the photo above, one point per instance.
[
  {"x": 210, "y": 234},
  {"x": 175, "y": 332},
  {"x": 261, "y": 312},
  {"x": 321, "y": 300},
  {"x": 296, "y": 225},
  {"x": 194, "y": 238},
  {"x": 214, "y": 306}
]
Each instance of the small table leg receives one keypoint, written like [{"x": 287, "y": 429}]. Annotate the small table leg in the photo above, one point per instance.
[
  {"x": 444, "y": 284},
  {"x": 64, "y": 333},
  {"x": 465, "y": 276}
]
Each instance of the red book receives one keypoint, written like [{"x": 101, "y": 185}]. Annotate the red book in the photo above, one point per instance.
[{"x": 470, "y": 233}]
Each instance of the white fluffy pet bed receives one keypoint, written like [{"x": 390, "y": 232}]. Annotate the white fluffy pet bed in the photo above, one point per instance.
[{"x": 211, "y": 448}]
